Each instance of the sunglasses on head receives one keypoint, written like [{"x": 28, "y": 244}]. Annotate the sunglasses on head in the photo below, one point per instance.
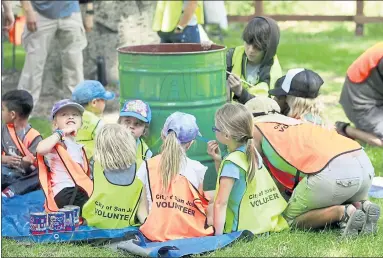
[{"x": 264, "y": 113}]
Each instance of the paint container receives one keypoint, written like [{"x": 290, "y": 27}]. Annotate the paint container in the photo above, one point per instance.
[
  {"x": 76, "y": 213},
  {"x": 38, "y": 223},
  {"x": 69, "y": 223},
  {"x": 56, "y": 222}
]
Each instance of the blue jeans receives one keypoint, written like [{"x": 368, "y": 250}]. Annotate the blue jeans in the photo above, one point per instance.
[{"x": 189, "y": 35}]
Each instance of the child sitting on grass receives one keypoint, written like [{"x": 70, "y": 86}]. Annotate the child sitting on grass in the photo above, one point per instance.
[
  {"x": 92, "y": 96},
  {"x": 118, "y": 199},
  {"x": 19, "y": 174},
  {"x": 136, "y": 116},
  {"x": 65, "y": 178}
]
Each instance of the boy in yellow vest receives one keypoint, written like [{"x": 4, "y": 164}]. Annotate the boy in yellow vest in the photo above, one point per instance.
[
  {"x": 255, "y": 62},
  {"x": 19, "y": 140},
  {"x": 92, "y": 96}
]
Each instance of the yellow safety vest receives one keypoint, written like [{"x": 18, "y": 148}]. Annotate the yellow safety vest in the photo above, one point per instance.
[
  {"x": 261, "y": 88},
  {"x": 142, "y": 150},
  {"x": 168, "y": 14},
  {"x": 112, "y": 206},
  {"x": 85, "y": 135},
  {"x": 262, "y": 204}
]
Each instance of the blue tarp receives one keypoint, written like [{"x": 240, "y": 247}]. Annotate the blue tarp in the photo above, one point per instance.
[{"x": 15, "y": 225}]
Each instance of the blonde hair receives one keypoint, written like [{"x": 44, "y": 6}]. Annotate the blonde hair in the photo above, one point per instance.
[
  {"x": 172, "y": 155},
  {"x": 300, "y": 107},
  {"x": 115, "y": 147},
  {"x": 236, "y": 121}
]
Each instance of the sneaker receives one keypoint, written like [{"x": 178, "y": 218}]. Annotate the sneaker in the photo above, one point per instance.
[
  {"x": 372, "y": 213},
  {"x": 351, "y": 224}
]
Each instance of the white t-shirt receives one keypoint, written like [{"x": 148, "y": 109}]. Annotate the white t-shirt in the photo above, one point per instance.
[
  {"x": 193, "y": 170},
  {"x": 60, "y": 178}
]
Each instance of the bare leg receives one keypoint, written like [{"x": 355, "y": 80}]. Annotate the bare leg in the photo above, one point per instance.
[{"x": 321, "y": 217}]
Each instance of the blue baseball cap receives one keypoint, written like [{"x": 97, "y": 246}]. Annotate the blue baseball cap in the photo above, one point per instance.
[
  {"x": 138, "y": 109},
  {"x": 65, "y": 103},
  {"x": 89, "y": 90},
  {"x": 184, "y": 125}
]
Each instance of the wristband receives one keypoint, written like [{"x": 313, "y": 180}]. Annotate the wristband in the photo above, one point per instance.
[{"x": 60, "y": 133}]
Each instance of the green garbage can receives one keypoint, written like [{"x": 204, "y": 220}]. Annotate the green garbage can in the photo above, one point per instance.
[{"x": 176, "y": 77}]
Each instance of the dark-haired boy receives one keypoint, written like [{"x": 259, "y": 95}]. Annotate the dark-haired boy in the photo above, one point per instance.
[{"x": 19, "y": 174}]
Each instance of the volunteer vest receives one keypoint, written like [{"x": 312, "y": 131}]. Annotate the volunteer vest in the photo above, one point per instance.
[
  {"x": 361, "y": 68},
  {"x": 142, "y": 150},
  {"x": 23, "y": 146},
  {"x": 168, "y": 14},
  {"x": 306, "y": 147},
  {"x": 261, "y": 205},
  {"x": 239, "y": 68},
  {"x": 179, "y": 212},
  {"x": 112, "y": 206},
  {"x": 85, "y": 135},
  {"x": 79, "y": 175}
]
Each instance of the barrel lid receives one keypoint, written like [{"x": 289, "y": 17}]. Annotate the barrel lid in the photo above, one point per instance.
[{"x": 170, "y": 49}]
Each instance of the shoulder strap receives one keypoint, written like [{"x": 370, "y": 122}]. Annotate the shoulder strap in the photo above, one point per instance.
[{"x": 18, "y": 143}]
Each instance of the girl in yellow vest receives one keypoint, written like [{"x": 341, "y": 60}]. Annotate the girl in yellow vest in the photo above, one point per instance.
[
  {"x": 337, "y": 173},
  {"x": 118, "y": 199},
  {"x": 255, "y": 62},
  {"x": 246, "y": 196},
  {"x": 136, "y": 116},
  {"x": 296, "y": 93},
  {"x": 63, "y": 166},
  {"x": 174, "y": 184}
]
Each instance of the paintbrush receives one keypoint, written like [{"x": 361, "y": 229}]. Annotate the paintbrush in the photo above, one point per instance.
[{"x": 240, "y": 79}]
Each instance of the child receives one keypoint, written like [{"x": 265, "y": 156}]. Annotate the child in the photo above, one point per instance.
[
  {"x": 296, "y": 93},
  {"x": 255, "y": 62},
  {"x": 246, "y": 195},
  {"x": 173, "y": 185},
  {"x": 115, "y": 176},
  {"x": 337, "y": 171},
  {"x": 136, "y": 116},
  {"x": 19, "y": 174},
  {"x": 92, "y": 96},
  {"x": 65, "y": 178}
]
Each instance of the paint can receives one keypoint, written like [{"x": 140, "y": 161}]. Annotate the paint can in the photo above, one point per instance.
[
  {"x": 76, "y": 214},
  {"x": 69, "y": 223},
  {"x": 56, "y": 222},
  {"x": 37, "y": 223}
]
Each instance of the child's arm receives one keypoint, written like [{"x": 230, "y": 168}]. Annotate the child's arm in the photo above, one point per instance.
[
  {"x": 46, "y": 145},
  {"x": 220, "y": 204},
  {"x": 142, "y": 211}
]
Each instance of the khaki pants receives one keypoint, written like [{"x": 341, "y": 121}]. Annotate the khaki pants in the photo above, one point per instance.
[{"x": 72, "y": 40}]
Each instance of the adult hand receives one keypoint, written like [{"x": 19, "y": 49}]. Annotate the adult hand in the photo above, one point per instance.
[
  {"x": 206, "y": 45},
  {"x": 88, "y": 22},
  {"x": 12, "y": 161},
  {"x": 31, "y": 21},
  {"x": 235, "y": 84},
  {"x": 213, "y": 150},
  {"x": 9, "y": 20}
]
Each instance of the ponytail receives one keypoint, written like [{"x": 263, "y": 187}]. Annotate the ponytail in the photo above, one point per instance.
[
  {"x": 252, "y": 158},
  {"x": 172, "y": 154}
]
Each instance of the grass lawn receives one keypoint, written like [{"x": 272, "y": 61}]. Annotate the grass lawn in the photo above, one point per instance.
[{"x": 327, "y": 48}]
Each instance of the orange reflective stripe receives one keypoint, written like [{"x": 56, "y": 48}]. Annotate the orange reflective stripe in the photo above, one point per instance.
[
  {"x": 77, "y": 173},
  {"x": 181, "y": 209},
  {"x": 361, "y": 68},
  {"x": 28, "y": 139},
  {"x": 307, "y": 147}
]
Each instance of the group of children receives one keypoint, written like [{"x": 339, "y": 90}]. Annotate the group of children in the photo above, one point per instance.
[{"x": 285, "y": 166}]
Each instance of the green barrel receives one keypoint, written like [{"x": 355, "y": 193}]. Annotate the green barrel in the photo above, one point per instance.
[{"x": 176, "y": 77}]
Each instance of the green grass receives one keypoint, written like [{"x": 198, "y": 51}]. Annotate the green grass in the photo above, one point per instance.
[{"x": 327, "y": 48}]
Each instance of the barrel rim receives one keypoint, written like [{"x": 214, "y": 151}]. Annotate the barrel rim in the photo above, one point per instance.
[{"x": 119, "y": 50}]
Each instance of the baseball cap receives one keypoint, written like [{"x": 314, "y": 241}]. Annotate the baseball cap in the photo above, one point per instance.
[
  {"x": 265, "y": 109},
  {"x": 88, "y": 90},
  {"x": 65, "y": 103},
  {"x": 138, "y": 109},
  {"x": 298, "y": 82},
  {"x": 184, "y": 125}
]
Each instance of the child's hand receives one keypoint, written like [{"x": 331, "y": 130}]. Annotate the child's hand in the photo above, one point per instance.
[
  {"x": 12, "y": 161},
  {"x": 235, "y": 84},
  {"x": 213, "y": 150},
  {"x": 206, "y": 45},
  {"x": 26, "y": 162}
]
